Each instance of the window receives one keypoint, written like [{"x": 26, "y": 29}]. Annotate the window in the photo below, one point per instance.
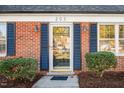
[
  {"x": 111, "y": 38},
  {"x": 3, "y": 39},
  {"x": 107, "y": 38},
  {"x": 121, "y": 38}
]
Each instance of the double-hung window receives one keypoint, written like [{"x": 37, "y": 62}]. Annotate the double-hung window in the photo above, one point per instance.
[
  {"x": 121, "y": 39},
  {"x": 111, "y": 38},
  {"x": 107, "y": 38},
  {"x": 3, "y": 40}
]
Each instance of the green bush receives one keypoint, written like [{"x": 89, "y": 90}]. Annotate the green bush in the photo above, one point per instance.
[
  {"x": 100, "y": 61},
  {"x": 18, "y": 68}
]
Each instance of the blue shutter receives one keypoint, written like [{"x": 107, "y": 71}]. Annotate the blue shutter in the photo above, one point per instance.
[
  {"x": 44, "y": 59},
  {"x": 93, "y": 38},
  {"x": 11, "y": 39},
  {"x": 77, "y": 47}
]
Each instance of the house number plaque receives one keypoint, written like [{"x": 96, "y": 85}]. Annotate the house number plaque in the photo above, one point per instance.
[{"x": 60, "y": 19}]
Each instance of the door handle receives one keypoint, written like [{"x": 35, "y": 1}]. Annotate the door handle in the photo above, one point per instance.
[{"x": 50, "y": 47}]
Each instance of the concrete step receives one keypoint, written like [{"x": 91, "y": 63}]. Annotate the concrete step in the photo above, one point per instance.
[
  {"x": 60, "y": 73},
  {"x": 46, "y": 82}
]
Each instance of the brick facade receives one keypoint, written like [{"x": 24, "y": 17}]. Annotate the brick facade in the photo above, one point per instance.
[
  {"x": 120, "y": 64},
  {"x": 84, "y": 43},
  {"x": 27, "y": 40},
  {"x": 28, "y": 43},
  {"x": 85, "y": 39}
]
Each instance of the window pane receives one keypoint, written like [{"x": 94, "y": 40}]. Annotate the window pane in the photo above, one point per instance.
[
  {"x": 2, "y": 39},
  {"x": 121, "y": 31},
  {"x": 107, "y": 45},
  {"x": 121, "y": 46},
  {"x": 2, "y": 31},
  {"x": 121, "y": 36},
  {"x": 107, "y": 31},
  {"x": 2, "y": 47}
]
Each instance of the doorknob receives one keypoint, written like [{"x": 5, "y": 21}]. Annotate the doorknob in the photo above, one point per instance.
[{"x": 50, "y": 47}]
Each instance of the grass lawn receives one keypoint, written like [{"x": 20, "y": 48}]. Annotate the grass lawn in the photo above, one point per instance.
[
  {"x": 4, "y": 83},
  {"x": 109, "y": 80}
]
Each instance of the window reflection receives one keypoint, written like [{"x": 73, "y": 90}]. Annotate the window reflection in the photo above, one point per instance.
[
  {"x": 121, "y": 46},
  {"x": 107, "y": 31},
  {"x": 2, "y": 38},
  {"x": 121, "y": 31},
  {"x": 107, "y": 38},
  {"x": 121, "y": 38},
  {"x": 107, "y": 45},
  {"x": 61, "y": 46}
]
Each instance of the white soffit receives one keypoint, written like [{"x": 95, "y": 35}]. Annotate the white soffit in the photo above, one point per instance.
[{"x": 62, "y": 17}]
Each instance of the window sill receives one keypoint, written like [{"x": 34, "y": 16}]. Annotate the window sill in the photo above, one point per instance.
[
  {"x": 2, "y": 55},
  {"x": 122, "y": 54}
]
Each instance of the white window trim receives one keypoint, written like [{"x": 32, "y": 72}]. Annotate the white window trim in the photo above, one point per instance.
[
  {"x": 3, "y": 55},
  {"x": 116, "y": 25}
]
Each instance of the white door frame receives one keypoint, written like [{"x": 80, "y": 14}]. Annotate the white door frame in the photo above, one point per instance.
[{"x": 51, "y": 44}]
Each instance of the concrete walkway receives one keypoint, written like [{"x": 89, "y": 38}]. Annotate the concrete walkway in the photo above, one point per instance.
[{"x": 45, "y": 82}]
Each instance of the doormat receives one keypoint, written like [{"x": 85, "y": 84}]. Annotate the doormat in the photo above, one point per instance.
[{"x": 59, "y": 78}]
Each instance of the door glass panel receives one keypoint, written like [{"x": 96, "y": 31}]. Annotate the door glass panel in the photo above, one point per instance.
[{"x": 61, "y": 47}]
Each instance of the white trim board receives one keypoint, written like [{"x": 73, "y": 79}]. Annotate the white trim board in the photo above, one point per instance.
[{"x": 67, "y": 18}]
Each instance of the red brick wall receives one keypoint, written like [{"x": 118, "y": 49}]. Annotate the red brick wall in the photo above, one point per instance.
[
  {"x": 27, "y": 41},
  {"x": 120, "y": 63},
  {"x": 85, "y": 35},
  {"x": 84, "y": 43}
]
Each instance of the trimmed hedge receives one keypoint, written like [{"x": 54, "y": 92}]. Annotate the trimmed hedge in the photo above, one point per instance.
[
  {"x": 18, "y": 68},
  {"x": 100, "y": 61}
]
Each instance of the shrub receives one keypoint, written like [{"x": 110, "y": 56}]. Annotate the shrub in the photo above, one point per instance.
[
  {"x": 100, "y": 61},
  {"x": 18, "y": 68}
]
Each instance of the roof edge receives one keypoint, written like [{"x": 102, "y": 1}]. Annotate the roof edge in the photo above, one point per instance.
[{"x": 68, "y": 12}]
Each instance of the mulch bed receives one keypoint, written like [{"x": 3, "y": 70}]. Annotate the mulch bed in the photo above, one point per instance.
[
  {"x": 109, "y": 80},
  {"x": 4, "y": 83}
]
